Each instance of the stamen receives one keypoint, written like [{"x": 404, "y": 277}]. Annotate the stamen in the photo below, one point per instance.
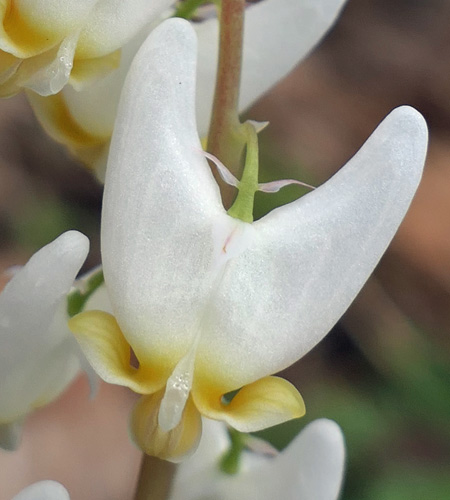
[
  {"x": 224, "y": 173},
  {"x": 275, "y": 186}
]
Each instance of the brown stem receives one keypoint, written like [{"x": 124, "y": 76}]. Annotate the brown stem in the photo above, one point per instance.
[
  {"x": 155, "y": 479},
  {"x": 225, "y": 140}
]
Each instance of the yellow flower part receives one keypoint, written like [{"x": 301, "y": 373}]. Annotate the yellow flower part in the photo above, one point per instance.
[
  {"x": 44, "y": 43},
  {"x": 166, "y": 421},
  {"x": 209, "y": 304}
]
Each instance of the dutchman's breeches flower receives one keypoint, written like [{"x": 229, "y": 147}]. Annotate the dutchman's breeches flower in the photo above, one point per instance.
[
  {"x": 84, "y": 120},
  {"x": 208, "y": 303},
  {"x": 43, "y": 43},
  {"x": 38, "y": 357}
]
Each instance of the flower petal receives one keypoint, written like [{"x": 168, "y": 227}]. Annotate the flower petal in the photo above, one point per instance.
[
  {"x": 112, "y": 23},
  {"x": 44, "y": 490},
  {"x": 311, "y": 257},
  {"x": 86, "y": 72},
  {"x": 174, "y": 445},
  {"x": 55, "y": 117},
  {"x": 312, "y": 466},
  {"x": 161, "y": 201},
  {"x": 33, "y": 338},
  {"x": 264, "y": 403},
  {"x": 108, "y": 352},
  {"x": 295, "y": 27},
  {"x": 46, "y": 74},
  {"x": 31, "y": 27}
]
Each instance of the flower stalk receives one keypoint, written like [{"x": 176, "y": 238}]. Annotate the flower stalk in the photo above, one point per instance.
[
  {"x": 226, "y": 139},
  {"x": 155, "y": 479}
]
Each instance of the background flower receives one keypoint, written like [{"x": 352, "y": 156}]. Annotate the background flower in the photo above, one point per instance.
[
  {"x": 44, "y": 43},
  {"x": 310, "y": 468},
  {"x": 38, "y": 358}
]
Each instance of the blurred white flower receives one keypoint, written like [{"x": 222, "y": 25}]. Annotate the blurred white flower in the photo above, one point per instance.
[
  {"x": 43, "y": 43},
  {"x": 38, "y": 357},
  {"x": 43, "y": 490},
  {"x": 278, "y": 34},
  {"x": 310, "y": 468},
  {"x": 210, "y": 304}
]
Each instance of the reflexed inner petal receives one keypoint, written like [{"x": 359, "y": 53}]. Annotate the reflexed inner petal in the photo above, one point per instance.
[
  {"x": 174, "y": 445},
  {"x": 231, "y": 238}
]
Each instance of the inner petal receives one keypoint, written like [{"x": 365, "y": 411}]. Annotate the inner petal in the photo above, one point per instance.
[{"x": 177, "y": 391}]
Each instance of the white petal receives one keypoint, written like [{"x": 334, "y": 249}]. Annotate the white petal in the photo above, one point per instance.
[
  {"x": 112, "y": 23},
  {"x": 54, "y": 12},
  {"x": 310, "y": 468},
  {"x": 310, "y": 258},
  {"x": 51, "y": 78},
  {"x": 313, "y": 464},
  {"x": 44, "y": 490},
  {"x": 200, "y": 475},
  {"x": 36, "y": 359},
  {"x": 95, "y": 107},
  {"x": 278, "y": 34},
  {"x": 160, "y": 200}
]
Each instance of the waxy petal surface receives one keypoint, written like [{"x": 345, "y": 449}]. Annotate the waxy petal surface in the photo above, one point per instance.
[
  {"x": 165, "y": 234},
  {"x": 311, "y": 257},
  {"x": 160, "y": 202},
  {"x": 112, "y": 23}
]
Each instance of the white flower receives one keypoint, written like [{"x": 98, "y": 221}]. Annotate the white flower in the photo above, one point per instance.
[
  {"x": 38, "y": 358},
  {"x": 43, "y": 490},
  {"x": 44, "y": 42},
  {"x": 310, "y": 468},
  {"x": 208, "y": 303},
  {"x": 278, "y": 34}
]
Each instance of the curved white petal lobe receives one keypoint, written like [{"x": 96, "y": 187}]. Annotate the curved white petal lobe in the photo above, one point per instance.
[
  {"x": 311, "y": 257},
  {"x": 160, "y": 201}
]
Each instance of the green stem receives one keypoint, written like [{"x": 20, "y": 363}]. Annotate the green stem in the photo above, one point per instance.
[
  {"x": 155, "y": 479},
  {"x": 77, "y": 299},
  {"x": 242, "y": 207},
  {"x": 187, "y": 9},
  {"x": 225, "y": 140},
  {"x": 231, "y": 460}
]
